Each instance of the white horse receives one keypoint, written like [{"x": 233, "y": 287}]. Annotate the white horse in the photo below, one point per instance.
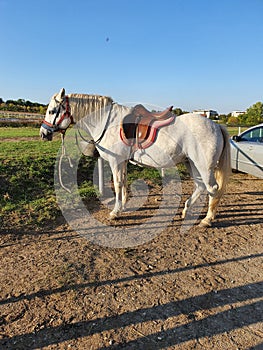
[{"x": 192, "y": 139}]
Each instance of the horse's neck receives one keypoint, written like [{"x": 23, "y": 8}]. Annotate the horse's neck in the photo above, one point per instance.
[
  {"x": 95, "y": 112},
  {"x": 90, "y": 111},
  {"x": 82, "y": 105}
]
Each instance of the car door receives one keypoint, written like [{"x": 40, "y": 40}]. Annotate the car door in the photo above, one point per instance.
[
  {"x": 249, "y": 152},
  {"x": 257, "y": 155}
]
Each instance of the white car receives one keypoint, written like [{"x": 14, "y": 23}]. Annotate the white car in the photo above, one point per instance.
[{"x": 247, "y": 151}]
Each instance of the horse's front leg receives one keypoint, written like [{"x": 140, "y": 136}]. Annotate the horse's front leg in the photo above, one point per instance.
[
  {"x": 118, "y": 179},
  {"x": 124, "y": 185}
]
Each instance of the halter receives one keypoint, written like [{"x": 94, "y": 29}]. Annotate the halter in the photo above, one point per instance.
[{"x": 54, "y": 126}]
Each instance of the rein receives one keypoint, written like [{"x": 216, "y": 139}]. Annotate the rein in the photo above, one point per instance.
[
  {"x": 102, "y": 134},
  {"x": 105, "y": 128}
]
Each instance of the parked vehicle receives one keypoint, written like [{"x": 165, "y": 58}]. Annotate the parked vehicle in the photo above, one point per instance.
[{"x": 247, "y": 151}]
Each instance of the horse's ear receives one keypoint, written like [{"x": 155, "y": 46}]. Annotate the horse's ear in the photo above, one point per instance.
[
  {"x": 62, "y": 93},
  {"x": 60, "y": 96}
]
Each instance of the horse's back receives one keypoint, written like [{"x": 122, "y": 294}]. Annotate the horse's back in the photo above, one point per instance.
[
  {"x": 198, "y": 123},
  {"x": 201, "y": 128}
]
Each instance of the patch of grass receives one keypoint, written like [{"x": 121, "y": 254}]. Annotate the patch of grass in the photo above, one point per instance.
[
  {"x": 137, "y": 172},
  {"x": 9, "y": 132},
  {"x": 26, "y": 182},
  {"x": 154, "y": 175},
  {"x": 234, "y": 130},
  {"x": 85, "y": 178},
  {"x": 28, "y": 149},
  {"x": 87, "y": 190}
]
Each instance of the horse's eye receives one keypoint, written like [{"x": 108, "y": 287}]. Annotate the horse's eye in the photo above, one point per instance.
[{"x": 52, "y": 111}]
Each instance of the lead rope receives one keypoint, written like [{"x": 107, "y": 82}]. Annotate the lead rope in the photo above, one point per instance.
[
  {"x": 63, "y": 148},
  {"x": 63, "y": 154}
]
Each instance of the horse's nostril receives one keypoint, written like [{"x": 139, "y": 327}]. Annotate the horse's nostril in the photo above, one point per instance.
[{"x": 45, "y": 137}]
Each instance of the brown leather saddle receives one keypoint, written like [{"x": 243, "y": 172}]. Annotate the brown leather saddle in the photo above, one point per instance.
[{"x": 140, "y": 127}]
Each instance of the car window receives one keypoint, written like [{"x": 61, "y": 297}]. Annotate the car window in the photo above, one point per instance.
[{"x": 254, "y": 135}]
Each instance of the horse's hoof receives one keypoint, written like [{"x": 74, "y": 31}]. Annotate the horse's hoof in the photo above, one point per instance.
[
  {"x": 113, "y": 215},
  {"x": 205, "y": 223}
]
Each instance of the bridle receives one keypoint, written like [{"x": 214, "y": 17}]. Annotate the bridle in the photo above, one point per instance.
[{"x": 55, "y": 125}]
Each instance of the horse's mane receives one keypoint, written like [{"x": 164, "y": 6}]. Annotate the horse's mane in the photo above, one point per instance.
[{"x": 84, "y": 104}]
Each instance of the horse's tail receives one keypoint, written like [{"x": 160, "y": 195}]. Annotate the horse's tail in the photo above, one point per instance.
[{"x": 223, "y": 169}]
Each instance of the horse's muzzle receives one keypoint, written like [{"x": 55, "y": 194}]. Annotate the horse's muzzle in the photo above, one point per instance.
[{"x": 46, "y": 136}]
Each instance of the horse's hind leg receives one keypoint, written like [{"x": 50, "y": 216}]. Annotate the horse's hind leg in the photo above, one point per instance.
[
  {"x": 210, "y": 185},
  {"x": 199, "y": 189},
  {"x": 214, "y": 196},
  {"x": 212, "y": 208},
  {"x": 211, "y": 213}
]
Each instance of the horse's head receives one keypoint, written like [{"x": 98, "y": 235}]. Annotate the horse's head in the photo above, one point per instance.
[{"x": 58, "y": 116}]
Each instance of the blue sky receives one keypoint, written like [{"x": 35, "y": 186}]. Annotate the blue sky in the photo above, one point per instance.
[{"x": 192, "y": 54}]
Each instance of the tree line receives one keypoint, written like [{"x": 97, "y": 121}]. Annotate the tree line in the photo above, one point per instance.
[
  {"x": 252, "y": 116},
  {"x": 22, "y": 105}
]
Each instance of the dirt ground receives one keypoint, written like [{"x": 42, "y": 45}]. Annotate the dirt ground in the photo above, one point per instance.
[{"x": 200, "y": 288}]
